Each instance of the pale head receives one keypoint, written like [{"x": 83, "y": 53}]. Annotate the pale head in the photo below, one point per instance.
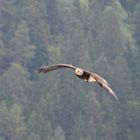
[{"x": 78, "y": 72}]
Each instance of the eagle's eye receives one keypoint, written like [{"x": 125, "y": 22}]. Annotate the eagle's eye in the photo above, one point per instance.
[{"x": 79, "y": 72}]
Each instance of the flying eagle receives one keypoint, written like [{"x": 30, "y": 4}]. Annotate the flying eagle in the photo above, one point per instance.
[{"x": 82, "y": 74}]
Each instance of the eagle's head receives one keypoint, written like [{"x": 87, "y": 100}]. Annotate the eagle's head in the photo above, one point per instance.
[{"x": 78, "y": 72}]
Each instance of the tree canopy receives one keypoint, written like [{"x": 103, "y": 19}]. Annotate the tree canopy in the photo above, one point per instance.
[{"x": 102, "y": 36}]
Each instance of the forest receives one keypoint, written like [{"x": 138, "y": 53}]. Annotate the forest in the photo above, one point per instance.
[{"x": 102, "y": 36}]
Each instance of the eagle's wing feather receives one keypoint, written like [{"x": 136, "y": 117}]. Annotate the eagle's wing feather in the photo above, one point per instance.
[
  {"x": 107, "y": 88},
  {"x": 45, "y": 69},
  {"x": 103, "y": 83}
]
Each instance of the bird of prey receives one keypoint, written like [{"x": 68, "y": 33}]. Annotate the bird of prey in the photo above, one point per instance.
[{"x": 82, "y": 74}]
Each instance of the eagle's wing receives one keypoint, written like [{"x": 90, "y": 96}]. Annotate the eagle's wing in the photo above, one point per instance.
[
  {"x": 103, "y": 83},
  {"x": 45, "y": 69}
]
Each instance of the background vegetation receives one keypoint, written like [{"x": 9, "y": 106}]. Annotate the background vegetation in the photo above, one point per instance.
[{"x": 100, "y": 35}]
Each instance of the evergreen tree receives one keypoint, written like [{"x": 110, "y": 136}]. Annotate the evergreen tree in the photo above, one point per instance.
[
  {"x": 21, "y": 47},
  {"x": 15, "y": 87},
  {"x": 12, "y": 125}
]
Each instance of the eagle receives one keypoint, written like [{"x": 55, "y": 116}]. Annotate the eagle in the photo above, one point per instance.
[{"x": 82, "y": 74}]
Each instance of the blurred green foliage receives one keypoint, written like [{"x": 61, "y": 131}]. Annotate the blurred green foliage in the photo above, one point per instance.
[{"x": 102, "y": 36}]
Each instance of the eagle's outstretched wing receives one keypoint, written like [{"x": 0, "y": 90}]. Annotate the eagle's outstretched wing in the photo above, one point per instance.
[
  {"x": 45, "y": 69},
  {"x": 103, "y": 83},
  {"x": 93, "y": 76}
]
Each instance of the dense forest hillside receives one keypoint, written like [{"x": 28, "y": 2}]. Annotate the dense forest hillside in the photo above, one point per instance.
[{"x": 102, "y": 36}]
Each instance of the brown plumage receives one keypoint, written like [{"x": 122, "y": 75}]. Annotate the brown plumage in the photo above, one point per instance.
[{"x": 82, "y": 74}]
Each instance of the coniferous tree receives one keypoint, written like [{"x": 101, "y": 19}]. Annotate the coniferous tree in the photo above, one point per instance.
[{"x": 21, "y": 47}]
